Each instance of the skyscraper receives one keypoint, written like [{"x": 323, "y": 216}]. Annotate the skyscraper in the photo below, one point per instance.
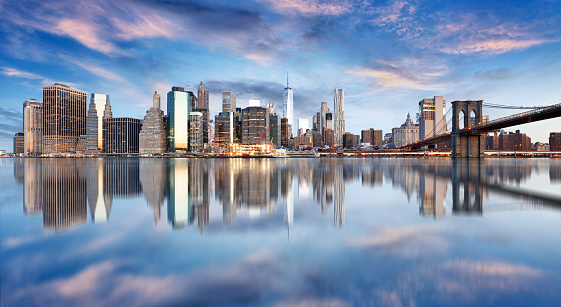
[
  {"x": 287, "y": 107},
  {"x": 255, "y": 121},
  {"x": 19, "y": 143},
  {"x": 323, "y": 112},
  {"x": 432, "y": 117},
  {"x": 202, "y": 97},
  {"x": 152, "y": 138},
  {"x": 98, "y": 109},
  {"x": 121, "y": 134},
  {"x": 196, "y": 131},
  {"x": 64, "y": 118},
  {"x": 179, "y": 107},
  {"x": 228, "y": 102},
  {"x": 339, "y": 125},
  {"x": 32, "y": 126}
]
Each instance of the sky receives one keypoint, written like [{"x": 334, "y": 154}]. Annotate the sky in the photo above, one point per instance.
[{"x": 386, "y": 55}]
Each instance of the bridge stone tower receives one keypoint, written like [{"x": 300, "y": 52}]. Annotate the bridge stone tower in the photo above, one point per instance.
[{"x": 466, "y": 144}]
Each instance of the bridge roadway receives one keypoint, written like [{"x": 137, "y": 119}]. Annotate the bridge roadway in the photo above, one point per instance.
[
  {"x": 473, "y": 175},
  {"x": 494, "y": 125}
]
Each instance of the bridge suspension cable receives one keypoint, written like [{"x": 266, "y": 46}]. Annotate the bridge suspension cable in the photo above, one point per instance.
[{"x": 503, "y": 106}]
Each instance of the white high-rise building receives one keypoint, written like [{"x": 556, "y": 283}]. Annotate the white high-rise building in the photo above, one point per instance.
[
  {"x": 288, "y": 104},
  {"x": 32, "y": 126},
  {"x": 432, "y": 117},
  {"x": 98, "y": 110},
  {"x": 339, "y": 123}
]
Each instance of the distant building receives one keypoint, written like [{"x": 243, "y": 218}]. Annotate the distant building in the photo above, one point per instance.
[
  {"x": 323, "y": 112},
  {"x": 317, "y": 139},
  {"x": 328, "y": 124},
  {"x": 350, "y": 140},
  {"x": 406, "y": 134},
  {"x": 202, "y": 97},
  {"x": 373, "y": 137},
  {"x": 288, "y": 105},
  {"x": 224, "y": 128},
  {"x": 541, "y": 147},
  {"x": 205, "y": 113},
  {"x": 316, "y": 122},
  {"x": 19, "y": 143},
  {"x": 329, "y": 136},
  {"x": 228, "y": 102},
  {"x": 64, "y": 118},
  {"x": 255, "y": 121},
  {"x": 121, "y": 135},
  {"x": 32, "y": 126},
  {"x": 152, "y": 138},
  {"x": 211, "y": 133},
  {"x": 339, "y": 124},
  {"x": 302, "y": 126},
  {"x": 286, "y": 132},
  {"x": 196, "y": 131},
  {"x": 492, "y": 142},
  {"x": 275, "y": 132},
  {"x": 432, "y": 117},
  {"x": 387, "y": 138},
  {"x": 555, "y": 141},
  {"x": 304, "y": 141},
  {"x": 515, "y": 141},
  {"x": 179, "y": 107},
  {"x": 98, "y": 110}
]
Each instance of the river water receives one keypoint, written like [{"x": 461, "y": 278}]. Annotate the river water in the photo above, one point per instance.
[{"x": 280, "y": 232}]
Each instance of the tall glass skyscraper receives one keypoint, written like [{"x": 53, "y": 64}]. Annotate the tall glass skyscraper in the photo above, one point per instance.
[
  {"x": 98, "y": 110},
  {"x": 287, "y": 106},
  {"x": 179, "y": 107},
  {"x": 339, "y": 125},
  {"x": 228, "y": 102}
]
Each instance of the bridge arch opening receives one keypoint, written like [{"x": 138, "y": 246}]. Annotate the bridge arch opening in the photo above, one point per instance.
[
  {"x": 472, "y": 117},
  {"x": 461, "y": 119}
]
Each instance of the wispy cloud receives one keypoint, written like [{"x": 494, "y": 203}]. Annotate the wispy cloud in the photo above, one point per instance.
[
  {"x": 494, "y": 46},
  {"x": 309, "y": 7},
  {"x": 93, "y": 68},
  {"x": 13, "y": 72},
  {"x": 383, "y": 79}
]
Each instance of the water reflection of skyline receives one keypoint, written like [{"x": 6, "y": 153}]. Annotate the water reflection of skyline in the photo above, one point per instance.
[{"x": 63, "y": 189}]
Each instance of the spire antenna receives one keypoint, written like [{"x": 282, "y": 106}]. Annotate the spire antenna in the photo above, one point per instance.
[{"x": 287, "y": 79}]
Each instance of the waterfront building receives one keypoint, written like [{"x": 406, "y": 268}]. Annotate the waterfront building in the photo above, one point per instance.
[
  {"x": 329, "y": 136},
  {"x": 317, "y": 139},
  {"x": 275, "y": 131},
  {"x": 64, "y": 118},
  {"x": 339, "y": 124},
  {"x": 32, "y": 126},
  {"x": 514, "y": 141},
  {"x": 387, "y": 138},
  {"x": 196, "y": 131},
  {"x": 211, "y": 133},
  {"x": 81, "y": 144},
  {"x": 541, "y": 147},
  {"x": 99, "y": 109},
  {"x": 350, "y": 140},
  {"x": 432, "y": 117},
  {"x": 202, "y": 97},
  {"x": 406, "y": 134},
  {"x": 373, "y": 137},
  {"x": 19, "y": 141},
  {"x": 121, "y": 135},
  {"x": 492, "y": 142},
  {"x": 228, "y": 102},
  {"x": 304, "y": 141},
  {"x": 288, "y": 105},
  {"x": 323, "y": 112},
  {"x": 286, "y": 134},
  {"x": 205, "y": 113},
  {"x": 255, "y": 121},
  {"x": 224, "y": 128},
  {"x": 152, "y": 138},
  {"x": 555, "y": 141},
  {"x": 179, "y": 107}
]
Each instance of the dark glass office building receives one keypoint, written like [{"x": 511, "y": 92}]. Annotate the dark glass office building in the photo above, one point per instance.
[
  {"x": 121, "y": 135},
  {"x": 255, "y": 121}
]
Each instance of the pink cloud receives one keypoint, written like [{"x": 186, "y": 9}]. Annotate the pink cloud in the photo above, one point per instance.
[{"x": 308, "y": 7}]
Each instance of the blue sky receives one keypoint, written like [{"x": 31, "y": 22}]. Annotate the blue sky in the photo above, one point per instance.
[{"x": 386, "y": 55}]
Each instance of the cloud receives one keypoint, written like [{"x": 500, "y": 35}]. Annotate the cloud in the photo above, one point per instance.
[
  {"x": 387, "y": 79},
  {"x": 10, "y": 123},
  {"x": 494, "y": 46},
  {"x": 308, "y": 7},
  {"x": 94, "y": 69},
  {"x": 494, "y": 74},
  {"x": 87, "y": 33}
]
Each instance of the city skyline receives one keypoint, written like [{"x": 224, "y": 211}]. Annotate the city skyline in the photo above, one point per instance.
[{"x": 386, "y": 56}]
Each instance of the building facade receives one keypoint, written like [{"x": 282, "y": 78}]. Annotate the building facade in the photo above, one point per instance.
[
  {"x": 339, "y": 124},
  {"x": 224, "y": 128},
  {"x": 323, "y": 112},
  {"x": 179, "y": 107},
  {"x": 202, "y": 97},
  {"x": 121, "y": 135},
  {"x": 350, "y": 141},
  {"x": 228, "y": 102},
  {"x": 196, "y": 132},
  {"x": 555, "y": 141},
  {"x": 98, "y": 110},
  {"x": 64, "y": 118},
  {"x": 255, "y": 121},
  {"x": 288, "y": 105},
  {"x": 152, "y": 138},
  {"x": 432, "y": 117},
  {"x": 275, "y": 131},
  {"x": 372, "y": 137},
  {"x": 285, "y": 132},
  {"x": 18, "y": 147},
  {"x": 406, "y": 134},
  {"x": 329, "y": 136},
  {"x": 514, "y": 141},
  {"x": 32, "y": 126}
]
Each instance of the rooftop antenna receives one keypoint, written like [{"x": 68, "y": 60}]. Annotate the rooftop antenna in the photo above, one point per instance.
[{"x": 287, "y": 79}]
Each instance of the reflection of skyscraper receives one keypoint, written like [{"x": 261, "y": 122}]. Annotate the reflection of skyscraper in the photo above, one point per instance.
[
  {"x": 32, "y": 186},
  {"x": 178, "y": 195},
  {"x": 64, "y": 193},
  {"x": 98, "y": 199},
  {"x": 153, "y": 178},
  {"x": 122, "y": 179},
  {"x": 339, "y": 195},
  {"x": 432, "y": 196},
  {"x": 288, "y": 203}
]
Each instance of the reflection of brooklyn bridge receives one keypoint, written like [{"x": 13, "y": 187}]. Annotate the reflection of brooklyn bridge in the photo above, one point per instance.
[{"x": 62, "y": 189}]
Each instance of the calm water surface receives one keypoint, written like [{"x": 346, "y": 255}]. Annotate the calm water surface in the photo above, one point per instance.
[{"x": 280, "y": 232}]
